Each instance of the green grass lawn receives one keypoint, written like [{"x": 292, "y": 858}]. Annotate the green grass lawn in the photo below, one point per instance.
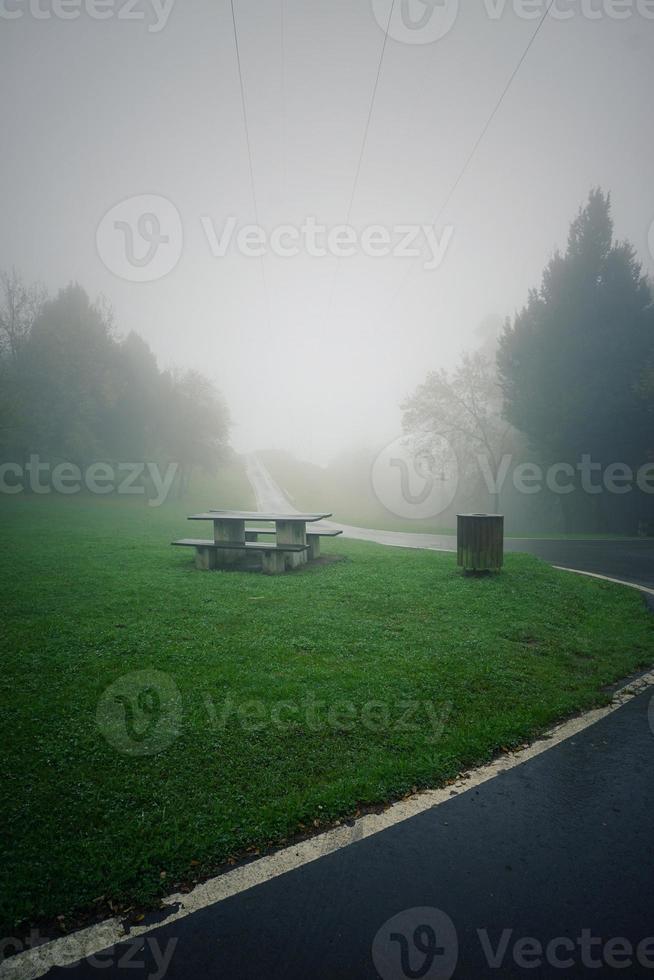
[{"x": 276, "y": 704}]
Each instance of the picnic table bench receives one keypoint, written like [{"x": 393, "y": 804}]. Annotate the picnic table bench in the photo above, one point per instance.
[
  {"x": 314, "y": 534},
  {"x": 231, "y": 542}
]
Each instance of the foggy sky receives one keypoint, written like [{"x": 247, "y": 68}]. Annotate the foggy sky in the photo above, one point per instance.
[{"x": 98, "y": 111}]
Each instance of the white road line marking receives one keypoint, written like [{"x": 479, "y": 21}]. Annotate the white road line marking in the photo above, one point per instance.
[{"x": 606, "y": 578}]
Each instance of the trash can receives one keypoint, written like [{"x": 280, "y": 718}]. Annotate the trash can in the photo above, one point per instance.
[{"x": 480, "y": 542}]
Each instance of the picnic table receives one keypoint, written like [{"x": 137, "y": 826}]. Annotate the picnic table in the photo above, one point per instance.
[{"x": 232, "y": 541}]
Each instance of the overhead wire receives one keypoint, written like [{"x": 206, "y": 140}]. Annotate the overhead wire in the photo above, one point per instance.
[
  {"x": 362, "y": 150},
  {"x": 249, "y": 149},
  {"x": 473, "y": 152}
]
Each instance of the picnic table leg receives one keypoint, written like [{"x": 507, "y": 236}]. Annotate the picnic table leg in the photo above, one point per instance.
[
  {"x": 232, "y": 532},
  {"x": 272, "y": 562},
  {"x": 205, "y": 559},
  {"x": 292, "y": 532}
]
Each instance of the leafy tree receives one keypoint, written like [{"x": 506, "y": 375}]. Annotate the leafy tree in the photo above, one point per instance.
[
  {"x": 194, "y": 423},
  {"x": 571, "y": 361},
  {"x": 71, "y": 388},
  {"x": 645, "y": 390},
  {"x": 65, "y": 377},
  {"x": 131, "y": 428}
]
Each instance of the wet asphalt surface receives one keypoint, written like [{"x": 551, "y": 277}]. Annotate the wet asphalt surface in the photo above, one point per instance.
[{"x": 630, "y": 560}]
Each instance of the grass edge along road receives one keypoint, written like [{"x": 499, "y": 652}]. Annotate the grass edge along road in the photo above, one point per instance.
[{"x": 279, "y": 705}]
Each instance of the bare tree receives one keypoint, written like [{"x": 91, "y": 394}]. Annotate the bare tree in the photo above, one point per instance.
[
  {"x": 20, "y": 305},
  {"x": 463, "y": 408}
]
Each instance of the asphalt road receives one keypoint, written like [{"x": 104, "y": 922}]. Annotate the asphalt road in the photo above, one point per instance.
[
  {"x": 630, "y": 560},
  {"x": 544, "y": 871}
]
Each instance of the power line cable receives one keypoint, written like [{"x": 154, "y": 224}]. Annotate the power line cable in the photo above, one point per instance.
[
  {"x": 362, "y": 151},
  {"x": 369, "y": 116},
  {"x": 466, "y": 166},
  {"x": 282, "y": 31},
  {"x": 249, "y": 149}
]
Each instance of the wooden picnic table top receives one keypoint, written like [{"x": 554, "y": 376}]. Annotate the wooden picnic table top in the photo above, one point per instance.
[{"x": 247, "y": 515}]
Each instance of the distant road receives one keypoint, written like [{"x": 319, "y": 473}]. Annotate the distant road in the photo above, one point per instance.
[{"x": 631, "y": 560}]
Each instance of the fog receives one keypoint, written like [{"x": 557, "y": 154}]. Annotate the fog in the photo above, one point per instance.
[{"x": 318, "y": 359}]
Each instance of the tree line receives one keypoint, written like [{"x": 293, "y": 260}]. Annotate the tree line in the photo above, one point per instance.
[
  {"x": 73, "y": 389},
  {"x": 569, "y": 388}
]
